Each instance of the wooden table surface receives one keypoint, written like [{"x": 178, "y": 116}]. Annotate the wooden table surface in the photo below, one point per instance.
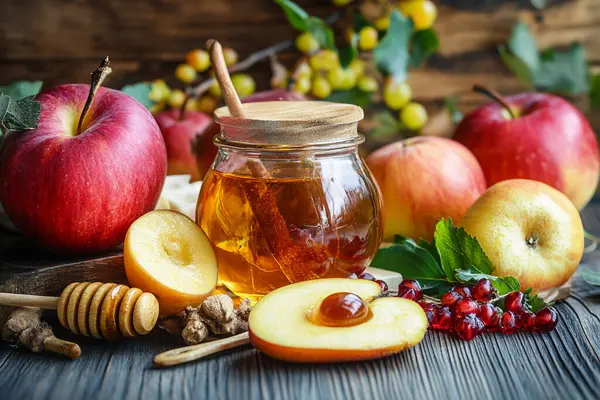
[{"x": 562, "y": 364}]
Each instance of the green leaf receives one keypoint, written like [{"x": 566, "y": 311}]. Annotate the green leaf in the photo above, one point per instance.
[
  {"x": 391, "y": 55},
  {"x": 503, "y": 285},
  {"x": 595, "y": 91},
  {"x": 410, "y": 260},
  {"x": 20, "y": 89},
  {"x": 522, "y": 44},
  {"x": 424, "y": 43},
  {"x": 359, "y": 21},
  {"x": 296, "y": 16},
  {"x": 517, "y": 66},
  {"x": 539, "y": 4},
  {"x": 350, "y": 52},
  {"x": 388, "y": 126},
  {"x": 353, "y": 96},
  {"x": 458, "y": 250},
  {"x": 301, "y": 21},
  {"x": 506, "y": 285},
  {"x": 140, "y": 92},
  {"x": 534, "y": 301},
  {"x": 21, "y": 114},
  {"x": 564, "y": 72},
  {"x": 436, "y": 288},
  {"x": 4, "y": 104},
  {"x": 321, "y": 31}
]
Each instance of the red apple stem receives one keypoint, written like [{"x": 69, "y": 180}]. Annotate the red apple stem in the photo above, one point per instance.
[
  {"x": 497, "y": 97},
  {"x": 98, "y": 77}
]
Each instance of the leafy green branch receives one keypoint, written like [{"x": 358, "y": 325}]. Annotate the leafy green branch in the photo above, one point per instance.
[
  {"x": 454, "y": 258},
  {"x": 18, "y": 109}
]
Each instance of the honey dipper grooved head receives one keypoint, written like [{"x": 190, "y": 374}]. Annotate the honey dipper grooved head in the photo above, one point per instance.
[
  {"x": 95, "y": 306},
  {"x": 145, "y": 313},
  {"x": 126, "y": 312},
  {"x": 73, "y": 307},
  {"x": 85, "y": 301},
  {"x": 63, "y": 300},
  {"x": 109, "y": 325}
]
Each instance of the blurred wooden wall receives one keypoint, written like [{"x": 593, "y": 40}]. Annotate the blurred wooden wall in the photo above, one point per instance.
[{"x": 60, "y": 41}]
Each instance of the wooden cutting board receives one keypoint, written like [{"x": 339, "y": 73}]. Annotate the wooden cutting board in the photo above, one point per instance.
[{"x": 25, "y": 268}]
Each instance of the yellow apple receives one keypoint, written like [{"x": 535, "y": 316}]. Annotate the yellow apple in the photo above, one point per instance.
[
  {"x": 287, "y": 323},
  {"x": 168, "y": 255},
  {"x": 529, "y": 230}
]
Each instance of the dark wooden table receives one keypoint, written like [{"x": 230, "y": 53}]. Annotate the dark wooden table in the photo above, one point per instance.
[{"x": 564, "y": 364}]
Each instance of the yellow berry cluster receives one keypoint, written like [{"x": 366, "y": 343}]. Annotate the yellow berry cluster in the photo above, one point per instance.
[{"x": 197, "y": 62}]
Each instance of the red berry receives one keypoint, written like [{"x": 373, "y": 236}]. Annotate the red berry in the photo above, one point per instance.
[
  {"x": 466, "y": 306},
  {"x": 490, "y": 315},
  {"x": 508, "y": 322},
  {"x": 545, "y": 319},
  {"x": 514, "y": 302},
  {"x": 525, "y": 321},
  {"x": 443, "y": 319},
  {"x": 468, "y": 327},
  {"x": 367, "y": 276},
  {"x": 464, "y": 291},
  {"x": 384, "y": 286},
  {"x": 412, "y": 284},
  {"x": 449, "y": 299},
  {"x": 483, "y": 290},
  {"x": 430, "y": 310},
  {"x": 407, "y": 293}
]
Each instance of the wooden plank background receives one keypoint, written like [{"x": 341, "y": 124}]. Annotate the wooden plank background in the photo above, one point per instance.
[{"x": 60, "y": 41}]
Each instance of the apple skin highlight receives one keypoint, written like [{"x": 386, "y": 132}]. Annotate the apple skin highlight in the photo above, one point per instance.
[
  {"x": 78, "y": 193},
  {"x": 550, "y": 141}
]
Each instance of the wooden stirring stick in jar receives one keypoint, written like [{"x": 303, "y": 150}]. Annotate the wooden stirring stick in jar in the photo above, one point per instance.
[
  {"x": 108, "y": 310},
  {"x": 297, "y": 261}
]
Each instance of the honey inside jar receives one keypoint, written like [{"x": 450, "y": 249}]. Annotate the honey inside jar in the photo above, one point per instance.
[{"x": 278, "y": 215}]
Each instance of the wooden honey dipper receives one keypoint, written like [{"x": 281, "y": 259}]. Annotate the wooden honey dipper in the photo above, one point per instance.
[{"x": 102, "y": 310}]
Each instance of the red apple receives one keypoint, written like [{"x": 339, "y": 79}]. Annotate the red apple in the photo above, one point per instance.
[
  {"x": 186, "y": 138},
  {"x": 422, "y": 180},
  {"x": 548, "y": 140},
  {"x": 78, "y": 192}
]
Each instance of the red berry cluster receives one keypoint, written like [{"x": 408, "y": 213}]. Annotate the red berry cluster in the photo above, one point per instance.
[{"x": 471, "y": 311}]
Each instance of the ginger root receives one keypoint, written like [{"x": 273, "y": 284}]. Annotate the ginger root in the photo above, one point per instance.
[
  {"x": 216, "y": 315},
  {"x": 25, "y": 328}
]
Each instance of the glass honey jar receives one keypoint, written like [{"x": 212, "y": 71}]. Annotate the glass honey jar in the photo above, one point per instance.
[{"x": 288, "y": 197}]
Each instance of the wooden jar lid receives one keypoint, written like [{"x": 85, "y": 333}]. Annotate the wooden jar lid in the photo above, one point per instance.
[{"x": 291, "y": 123}]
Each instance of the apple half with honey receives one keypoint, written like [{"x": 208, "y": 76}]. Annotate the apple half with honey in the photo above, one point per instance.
[{"x": 334, "y": 320}]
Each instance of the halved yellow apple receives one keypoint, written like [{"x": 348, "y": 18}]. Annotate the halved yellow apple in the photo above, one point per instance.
[
  {"x": 168, "y": 255},
  {"x": 283, "y": 323}
]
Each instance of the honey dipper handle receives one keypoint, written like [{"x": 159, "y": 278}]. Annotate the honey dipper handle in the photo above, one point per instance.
[
  {"x": 27, "y": 300},
  {"x": 197, "y": 351}
]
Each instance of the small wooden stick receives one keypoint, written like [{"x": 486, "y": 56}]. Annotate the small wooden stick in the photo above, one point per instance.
[
  {"x": 198, "y": 351},
  {"x": 220, "y": 67},
  {"x": 26, "y": 300},
  {"x": 63, "y": 347}
]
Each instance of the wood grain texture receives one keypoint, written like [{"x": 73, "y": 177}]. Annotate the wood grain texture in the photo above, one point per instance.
[
  {"x": 564, "y": 364},
  {"x": 62, "y": 41}
]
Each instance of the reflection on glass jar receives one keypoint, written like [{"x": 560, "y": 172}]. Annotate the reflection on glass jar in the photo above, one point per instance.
[{"x": 286, "y": 207}]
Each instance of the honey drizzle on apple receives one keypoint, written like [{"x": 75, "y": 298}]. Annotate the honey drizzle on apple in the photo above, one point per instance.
[
  {"x": 98, "y": 77},
  {"x": 341, "y": 309}
]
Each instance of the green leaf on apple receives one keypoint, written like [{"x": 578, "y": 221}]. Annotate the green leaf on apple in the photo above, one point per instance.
[
  {"x": 140, "y": 92},
  {"x": 18, "y": 114},
  {"x": 391, "y": 55},
  {"x": 459, "y": 250},
  {"x": 304, "y": 22},
  {"x": 454, "y": 258},
  {"x": 522, "y": 45},
  {"x": 423, "y": 44},
  {"x": 20, "y": 89},
  {"x": 353, "y": 96}
]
